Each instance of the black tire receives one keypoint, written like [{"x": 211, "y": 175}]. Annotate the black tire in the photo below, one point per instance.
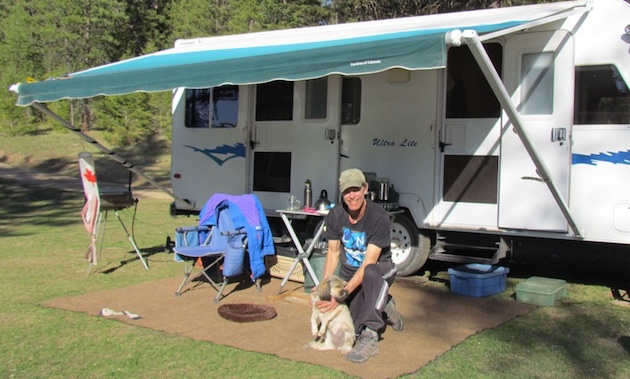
[{"x": 410, "y": 248}]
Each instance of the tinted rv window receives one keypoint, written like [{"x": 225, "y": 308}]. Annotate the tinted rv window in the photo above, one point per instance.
[
  {"x": 470, "y": 179},
  {"x": 350, "y": 101},
  {"x": 601, "y": 96},
  {"x": 198, "y": 108},
  {"x": 274, "y": 101},
  {"x": 468, "y": 94},
  {"x": 316, "y": 98},
  {"x": 272, "y": 171},
  {"x": 222, "y": 114}
]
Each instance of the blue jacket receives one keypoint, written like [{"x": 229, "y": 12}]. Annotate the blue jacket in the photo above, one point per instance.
[{"x": 246, "y": 212}]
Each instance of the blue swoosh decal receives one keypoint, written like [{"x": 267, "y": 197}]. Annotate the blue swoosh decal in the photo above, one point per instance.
[
  {"x": 620, "y": 157},
  {"x": 231, "y": 151}
]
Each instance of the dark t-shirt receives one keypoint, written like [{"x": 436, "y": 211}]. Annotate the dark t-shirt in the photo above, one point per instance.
[{"x": 372, "y": 228}]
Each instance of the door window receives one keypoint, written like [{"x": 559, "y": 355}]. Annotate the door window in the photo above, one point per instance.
[
  {"x": 272, "y": 171},
  {"x": 274, "y": 101},
  {"x": 537, "y": 87},
  {"x": 468, "y": 93}
]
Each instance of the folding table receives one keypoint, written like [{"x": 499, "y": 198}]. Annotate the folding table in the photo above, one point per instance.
[{"x": 303, "y": 255}]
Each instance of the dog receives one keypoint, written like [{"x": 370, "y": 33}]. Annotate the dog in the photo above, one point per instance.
[{"x": 333, "y": 330}]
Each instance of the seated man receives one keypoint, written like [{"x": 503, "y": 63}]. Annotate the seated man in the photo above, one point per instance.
[{"x": 358, "y": 234}]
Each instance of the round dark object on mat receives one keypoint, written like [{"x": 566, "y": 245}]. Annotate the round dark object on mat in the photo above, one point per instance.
[{"x": 247, "y": 312}]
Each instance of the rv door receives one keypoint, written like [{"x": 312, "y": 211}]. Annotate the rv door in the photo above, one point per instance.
[
  {"x": 539, "y": 75},
  {"x": 295, "y": 138}
]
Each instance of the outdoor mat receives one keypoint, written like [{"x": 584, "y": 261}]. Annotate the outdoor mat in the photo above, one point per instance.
[{"x": 435, "y": 320}]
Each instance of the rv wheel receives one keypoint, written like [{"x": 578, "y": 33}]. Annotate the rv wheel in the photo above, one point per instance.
[{"x": 410, "y": 249}]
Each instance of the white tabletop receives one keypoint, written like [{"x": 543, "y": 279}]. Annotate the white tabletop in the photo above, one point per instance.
[{"x": 302, "y": 212}]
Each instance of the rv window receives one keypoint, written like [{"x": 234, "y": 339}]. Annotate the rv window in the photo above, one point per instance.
[
  {"x": 274, "y": 101},
  {"x": 224, "y": 111},
  {"x": 468, "y": 93},
  {"x": 272, "y": 171},
  {"x": 470, "y": 179},
  {"x": 537, "y": 74},
  {"x": 198, "y": 108},
  {"x": 316, "y": 99},
  {"x": 351, "y": 101},
  {"x": 601, "y": 96}
]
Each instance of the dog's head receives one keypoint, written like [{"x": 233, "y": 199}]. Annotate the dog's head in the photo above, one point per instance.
[{"x": 332, "y": 288}]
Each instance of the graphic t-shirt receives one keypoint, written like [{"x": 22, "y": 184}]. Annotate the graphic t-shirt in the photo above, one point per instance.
[{"x": 372, "y": 228}]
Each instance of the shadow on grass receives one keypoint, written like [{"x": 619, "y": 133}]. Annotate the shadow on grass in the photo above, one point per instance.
[
  {"x": 133, "y": 259},
  {"x": 144, "y": 156},
  {"x": 579, "y": 339},
  {"x": 19, "y": 204}
]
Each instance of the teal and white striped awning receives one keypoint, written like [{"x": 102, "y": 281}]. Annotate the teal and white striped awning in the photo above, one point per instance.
[{"x": 413, "y": 43}]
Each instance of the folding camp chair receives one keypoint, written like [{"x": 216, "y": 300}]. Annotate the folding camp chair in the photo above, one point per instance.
[
  {"x": 228, "y": 226},
  {"x": 219, "y": 247}
]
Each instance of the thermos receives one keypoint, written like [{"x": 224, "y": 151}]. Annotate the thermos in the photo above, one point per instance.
[
  {"x": 308, "y": 194},
  {"x": 383, "y": 189}
]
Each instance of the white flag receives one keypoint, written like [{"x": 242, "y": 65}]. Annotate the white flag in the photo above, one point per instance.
[{"x": 90, "y": 212}]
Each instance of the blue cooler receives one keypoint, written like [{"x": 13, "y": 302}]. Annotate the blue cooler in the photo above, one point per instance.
[{"x": 478, "y": 280}]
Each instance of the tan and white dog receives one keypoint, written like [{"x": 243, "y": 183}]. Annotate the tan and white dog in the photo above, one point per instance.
[{"x": 334, "y": 329}]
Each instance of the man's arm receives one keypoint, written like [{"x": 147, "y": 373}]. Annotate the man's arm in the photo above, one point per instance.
[
  {"x": 372, "y": 254},
  {"x": 332, "y": 258}
]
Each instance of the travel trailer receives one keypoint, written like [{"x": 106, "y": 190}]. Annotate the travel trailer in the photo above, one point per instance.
[{"x": 483, "y": 126}]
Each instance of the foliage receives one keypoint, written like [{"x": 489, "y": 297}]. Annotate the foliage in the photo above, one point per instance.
[
  {"x": 126, "y": 118},
  {"x": 364, "y": 10}
]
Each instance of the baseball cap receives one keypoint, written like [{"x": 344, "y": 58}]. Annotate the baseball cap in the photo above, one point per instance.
[{"x": 351, "y": 178}]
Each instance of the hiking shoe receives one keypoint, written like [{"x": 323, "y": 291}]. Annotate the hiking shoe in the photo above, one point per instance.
[
  {"x": 365, "y": 347},
  {"x": 393, "y": 318}
]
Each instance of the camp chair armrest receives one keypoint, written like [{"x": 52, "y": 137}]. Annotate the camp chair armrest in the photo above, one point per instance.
[
  {"x": 186, "y": 229},
  {"x": 236, "y": 232}
]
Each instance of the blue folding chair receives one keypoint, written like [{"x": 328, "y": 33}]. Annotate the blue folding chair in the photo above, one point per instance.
[
  {"x": 228, "y": 226},
  {"x": 219, "y": 247}
]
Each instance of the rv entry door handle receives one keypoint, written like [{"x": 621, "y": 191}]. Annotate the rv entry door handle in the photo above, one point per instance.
[
  {"x": 443, "y": 145},
  {"x": 558, "y": 135},
  {"x": 330, "y": 135},
  {"x": 252, "y": 144}
]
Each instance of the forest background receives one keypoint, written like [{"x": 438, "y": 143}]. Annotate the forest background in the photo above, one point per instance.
[{"x": 42, "y": 39}]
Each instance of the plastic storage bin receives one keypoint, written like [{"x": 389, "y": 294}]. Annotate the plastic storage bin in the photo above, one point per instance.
[
  {"x": 478, "y": 280},
  {"x": 541, "y": 291}
]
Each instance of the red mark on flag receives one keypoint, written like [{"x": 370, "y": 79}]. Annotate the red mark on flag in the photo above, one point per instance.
[{"x": 90, "y": 176}]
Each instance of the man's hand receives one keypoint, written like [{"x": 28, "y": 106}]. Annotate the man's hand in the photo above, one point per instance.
[{"x": 327, "y": 306}]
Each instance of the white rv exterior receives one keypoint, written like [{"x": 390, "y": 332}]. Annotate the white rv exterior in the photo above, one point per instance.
[{"x": 543, "y": 150}]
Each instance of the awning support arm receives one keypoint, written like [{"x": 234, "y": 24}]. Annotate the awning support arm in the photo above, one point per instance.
[
  {"x": 112, "y": 155},
  {"x": 579, "y": 8},
  {"x": 471, "y": 39}
]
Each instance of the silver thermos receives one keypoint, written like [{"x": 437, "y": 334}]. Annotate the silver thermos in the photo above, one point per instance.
[
  {"x": 383, "y": 189},
  {"x": 308, "y": 194}
]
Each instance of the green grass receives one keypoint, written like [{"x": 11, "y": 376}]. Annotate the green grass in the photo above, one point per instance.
[{"x": 41, "y": 258}]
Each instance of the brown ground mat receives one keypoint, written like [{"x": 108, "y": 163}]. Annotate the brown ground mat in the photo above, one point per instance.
[{"x": 435, "y": 320}]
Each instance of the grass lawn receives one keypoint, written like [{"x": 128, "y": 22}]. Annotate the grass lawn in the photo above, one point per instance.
[{"x": 41, "y": 257}]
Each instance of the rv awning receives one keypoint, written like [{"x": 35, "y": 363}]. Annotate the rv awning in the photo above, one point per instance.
[{"x": 413, "y": 43}]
